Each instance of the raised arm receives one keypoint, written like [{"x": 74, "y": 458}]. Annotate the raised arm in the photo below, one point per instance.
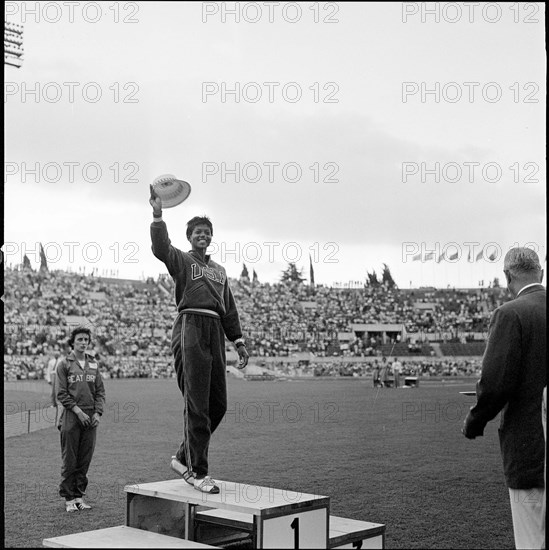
[{"x": 161, "y": 244}]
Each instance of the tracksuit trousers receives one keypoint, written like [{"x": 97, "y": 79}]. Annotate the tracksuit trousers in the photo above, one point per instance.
[
  {"x": 198, "y": 346},
  {"x": 77, "y": 446}
]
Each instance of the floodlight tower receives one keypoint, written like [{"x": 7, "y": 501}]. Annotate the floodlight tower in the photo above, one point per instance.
[{"x": 13, "y": 44}]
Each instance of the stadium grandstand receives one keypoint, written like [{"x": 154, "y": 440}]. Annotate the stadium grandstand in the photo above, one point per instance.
[{"x": 292, "y": 329}]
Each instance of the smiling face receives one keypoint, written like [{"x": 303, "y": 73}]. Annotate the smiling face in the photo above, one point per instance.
[{"x": 201, "y": 237}]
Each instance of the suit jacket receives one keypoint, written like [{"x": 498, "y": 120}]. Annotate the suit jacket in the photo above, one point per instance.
[{"x": 512, "y": 381}]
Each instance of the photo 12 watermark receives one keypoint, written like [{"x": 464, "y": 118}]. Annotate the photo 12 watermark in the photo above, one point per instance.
[
  {"x": 71, "y": 12},
  {"x": 434, "y": 412},
  {"x": 470, "y": 92},
  {"x": 316, "y": 333},
  {"x": 70, "y": 252},
  {"x": 470, "y": 12},
  {"x": 270, "y": 92},
  {"x": 72, "y": 92},
  {"x": 273, "y": 252},
  {"x": 21, "y": 492},
  {"x": 114, "y": 331},
  {"x": 270, "y": 12},
  {"x": 21, "y": 411},
  {"x": 469, "y": 172},
  {"x": 70, "y": 171},
  {"x": 269, "y": 172},
  {"x": 453, "y": 252},
  {"x": 275, "y": 412}
]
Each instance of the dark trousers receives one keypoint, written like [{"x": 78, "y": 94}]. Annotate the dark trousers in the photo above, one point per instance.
[
  {"x": 77, "y": 446},
  {"x": 198, "y": 345}
]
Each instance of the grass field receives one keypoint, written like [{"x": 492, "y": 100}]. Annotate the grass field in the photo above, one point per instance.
[
  {"x": 395, "y": 457},
  {"x": 17, "y": 401}
]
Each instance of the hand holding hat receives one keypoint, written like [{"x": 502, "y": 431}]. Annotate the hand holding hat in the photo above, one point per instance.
[{"x": 169, "y": 191}]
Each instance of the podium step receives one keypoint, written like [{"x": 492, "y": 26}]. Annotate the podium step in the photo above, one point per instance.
[
  {"x": 238, "y": 497},
  {"x": 120, "y": 537},
  {"x": 279, "y": 518},
  {"x": 342, "y": 531},
  {"x": 227, "y": 518}
]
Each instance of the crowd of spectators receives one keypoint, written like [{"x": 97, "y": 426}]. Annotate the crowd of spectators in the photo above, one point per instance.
[
  {"x": 417, "y": 367},
  {"x": 278, "y": 320},
  {"x": 131, "y": 320}
]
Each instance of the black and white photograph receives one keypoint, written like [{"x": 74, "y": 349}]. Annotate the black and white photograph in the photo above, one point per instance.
[{"x": 274, "y": 274}]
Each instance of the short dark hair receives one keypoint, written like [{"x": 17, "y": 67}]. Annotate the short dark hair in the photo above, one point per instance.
[
  {"x": 76, "y": 331},
  {"x": 521, "y": 261},
  {"x": 198, "y": 220}
]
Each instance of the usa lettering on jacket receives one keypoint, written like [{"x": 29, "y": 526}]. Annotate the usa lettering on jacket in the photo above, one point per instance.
[{"x": 198, "y": 271}]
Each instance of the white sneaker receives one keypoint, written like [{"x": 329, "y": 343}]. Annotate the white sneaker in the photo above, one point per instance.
[
  {"x": 206, "y": 485},
  {"x": 70, "y": 506},
  {"x": 81, "y": 505}
]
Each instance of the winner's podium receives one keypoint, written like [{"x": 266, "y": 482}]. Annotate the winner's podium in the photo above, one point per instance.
[
  {"x": 279, "y": 518},
  {"x": 172, "y": 514},
  {"x": 262, "y": 516}
]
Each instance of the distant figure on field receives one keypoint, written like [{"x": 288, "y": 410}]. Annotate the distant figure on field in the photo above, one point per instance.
[
  {"x": 397, "y": 368},
  {"x": 384, "y": 373},
  {"x": 376, "y": 375}
]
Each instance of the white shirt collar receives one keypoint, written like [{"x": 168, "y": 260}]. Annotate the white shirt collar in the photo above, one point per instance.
[{"x": 527, "y": 286}]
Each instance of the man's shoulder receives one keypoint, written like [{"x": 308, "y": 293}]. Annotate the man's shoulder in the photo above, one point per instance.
[
  {"x": 522, "y": 304},
  {"x": 508, "y": 310},
  {"x": 534, "y": 293}
]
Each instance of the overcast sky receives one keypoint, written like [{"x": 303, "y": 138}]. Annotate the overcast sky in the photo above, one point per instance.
[{"x": 337, "y": 120}]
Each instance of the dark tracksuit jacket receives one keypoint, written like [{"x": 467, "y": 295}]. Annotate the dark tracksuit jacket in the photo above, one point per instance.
[
  {"x": 206, "y": 313},
  {"x": 84, "y": 387}
]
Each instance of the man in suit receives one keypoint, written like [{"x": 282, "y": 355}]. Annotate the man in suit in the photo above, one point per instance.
[{"x": 512, "y": 380}]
